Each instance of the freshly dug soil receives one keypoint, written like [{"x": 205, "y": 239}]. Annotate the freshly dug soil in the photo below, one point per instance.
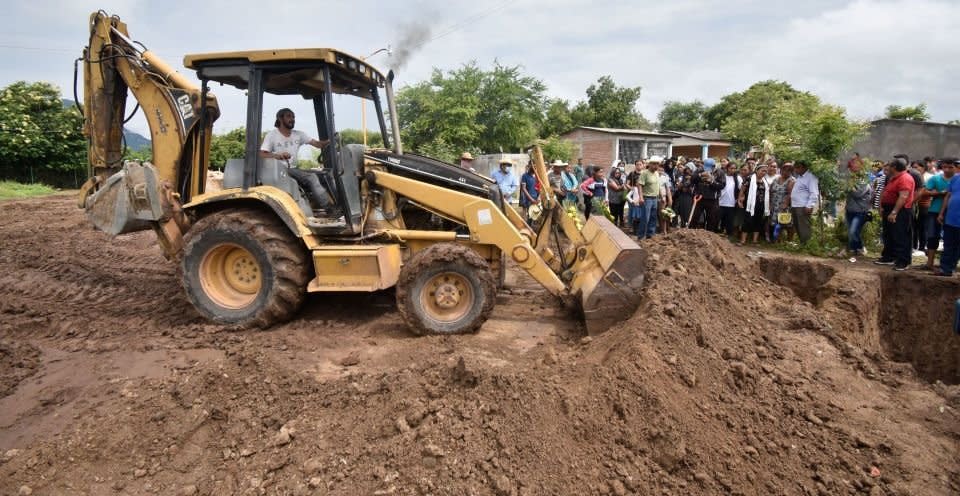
[{"x": 723, "y": 382}]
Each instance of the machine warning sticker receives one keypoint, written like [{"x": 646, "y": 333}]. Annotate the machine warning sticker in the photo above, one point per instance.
[{"x": 483, "y": 217}]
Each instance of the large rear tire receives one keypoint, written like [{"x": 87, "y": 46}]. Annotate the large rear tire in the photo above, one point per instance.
[
  {"x": 244, "y": 267},
  {"x": 446, "y": 289}
]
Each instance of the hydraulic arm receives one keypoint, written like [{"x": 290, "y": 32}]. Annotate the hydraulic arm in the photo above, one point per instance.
[{"x": 123, "y": 198}]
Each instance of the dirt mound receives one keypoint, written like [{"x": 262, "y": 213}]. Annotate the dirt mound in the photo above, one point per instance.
[{"x": 721, "y": 383}]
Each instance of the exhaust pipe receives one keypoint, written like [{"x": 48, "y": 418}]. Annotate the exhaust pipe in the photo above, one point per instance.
[{"x": 394, "y": 120}]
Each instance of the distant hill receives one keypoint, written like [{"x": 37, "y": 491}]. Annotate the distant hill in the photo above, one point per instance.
[{"x": 135, "y": 141}]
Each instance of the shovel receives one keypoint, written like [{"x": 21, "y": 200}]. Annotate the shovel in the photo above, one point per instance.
[{"x": 696, "y": 199}]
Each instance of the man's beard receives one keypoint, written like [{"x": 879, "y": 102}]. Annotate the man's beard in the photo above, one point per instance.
[{"x": 288, "y": 126}]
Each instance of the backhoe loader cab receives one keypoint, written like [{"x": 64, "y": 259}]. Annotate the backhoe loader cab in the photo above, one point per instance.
[{"x": 315, "y": 74}]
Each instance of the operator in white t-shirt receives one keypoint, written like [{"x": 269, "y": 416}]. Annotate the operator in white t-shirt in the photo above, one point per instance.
[{"x": 282, "y": 143}]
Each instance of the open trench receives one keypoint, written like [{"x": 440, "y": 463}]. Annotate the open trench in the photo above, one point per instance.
[{"x": 908, "y": 317}]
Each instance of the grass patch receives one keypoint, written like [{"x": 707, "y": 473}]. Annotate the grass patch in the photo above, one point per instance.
[{"x": 12, "y": 190}]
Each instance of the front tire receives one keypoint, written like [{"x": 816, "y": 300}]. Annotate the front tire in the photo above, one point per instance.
[
  {"x": 446, "y": 289},
  {"x": 244, "y": 267}
]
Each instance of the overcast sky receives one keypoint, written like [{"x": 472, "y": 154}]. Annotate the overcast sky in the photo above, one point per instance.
[{"x": 862, "y": 54}]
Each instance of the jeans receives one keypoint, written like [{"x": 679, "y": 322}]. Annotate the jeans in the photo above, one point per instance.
[
  {"x": 951, "y": 249},
  {"x": 932, "y": 229},
  {"x": 311, "y": 183},
  {"x": 645, "y": 226},
  {"x": 653, "y": 215},
  {"x": 855, "y": 223}
]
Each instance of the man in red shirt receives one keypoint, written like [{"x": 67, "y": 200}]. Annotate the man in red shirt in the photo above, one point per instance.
[{"x": 896, "y": 205}]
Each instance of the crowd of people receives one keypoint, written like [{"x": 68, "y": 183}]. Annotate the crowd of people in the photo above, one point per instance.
[{"x": 764, "y": 201}]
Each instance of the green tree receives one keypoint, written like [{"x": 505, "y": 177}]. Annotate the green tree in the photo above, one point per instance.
[
  {"x": 954, "y": 122},
  {"x": 609, "y": 105},
  {"x": 441, "y": 150},
  {"x": 472, "y": 109},
  {"x": 232, "y": 144},
  {"x": 714, "y": 116},
  {"x": 355, "y": 137},
  {"x": 680, "y": 116},
  {"x": 144, "y": 154},
  {"x": 557, "y": 148},
  {"x": 41, "y": 140},
  {"x": 511, "y": 108},
  {"x": 768, "y": 110},
  {"x": 442, "y": 109},
  {"x": 918, "y": 113},
  {"x": 557, "y": 119}
]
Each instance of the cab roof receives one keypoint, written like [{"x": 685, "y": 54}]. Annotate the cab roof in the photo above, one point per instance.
[{"x": 289, "y": 71}]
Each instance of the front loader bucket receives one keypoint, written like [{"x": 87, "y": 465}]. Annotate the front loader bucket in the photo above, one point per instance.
[{"x": 609, "y": 276}]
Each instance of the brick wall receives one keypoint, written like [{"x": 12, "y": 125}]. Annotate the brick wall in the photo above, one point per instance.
[{"x": 597, "y": 151}]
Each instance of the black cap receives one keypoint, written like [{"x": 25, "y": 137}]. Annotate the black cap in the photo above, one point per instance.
[{"x": 950, "y": 160}]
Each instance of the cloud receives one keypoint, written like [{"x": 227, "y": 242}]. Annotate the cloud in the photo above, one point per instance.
[{"x": 863, "y": 54}]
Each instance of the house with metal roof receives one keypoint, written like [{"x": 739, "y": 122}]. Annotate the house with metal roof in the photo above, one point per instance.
[{"x": 601, "y": 145}]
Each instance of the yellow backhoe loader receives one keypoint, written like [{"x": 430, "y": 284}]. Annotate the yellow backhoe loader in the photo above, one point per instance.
[{"x": 249, "y": 253}]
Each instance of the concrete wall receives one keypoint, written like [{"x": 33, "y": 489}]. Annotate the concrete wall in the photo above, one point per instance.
[{"x": 888, "y": 137}]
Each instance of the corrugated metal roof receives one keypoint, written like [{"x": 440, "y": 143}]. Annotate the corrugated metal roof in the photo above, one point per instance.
[
  {"x": 702, "y": 135},
  {"x": 626, "y": 131}
]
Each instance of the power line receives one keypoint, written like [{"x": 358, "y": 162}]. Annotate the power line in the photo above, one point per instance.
[
  {"x": 458, "y": 26},
  {"x": 39, "y": 49}
]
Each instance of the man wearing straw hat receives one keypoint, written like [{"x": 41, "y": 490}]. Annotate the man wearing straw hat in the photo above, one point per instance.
[
  {"x": 555, "y": 178},
  {"x": 466, "y": 162}
]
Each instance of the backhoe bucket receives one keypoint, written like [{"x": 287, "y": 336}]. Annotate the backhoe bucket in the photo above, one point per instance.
[
  {"x": 127, "y": 201},
  {"x": 609, "y": 275}
]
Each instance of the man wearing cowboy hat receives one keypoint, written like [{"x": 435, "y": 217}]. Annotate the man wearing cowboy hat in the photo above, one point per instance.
[
  {"x": 466, "y": 162},
  {"x": 555, "y": 178},
  {"x": 506, "y": 180}
]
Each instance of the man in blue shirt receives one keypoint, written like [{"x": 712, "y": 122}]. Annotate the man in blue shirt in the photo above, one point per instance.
[
  {"x": 936, "y": 188},
  {"x": 949, "y": 217},
  {"x": 803, "y": 199},
  {"x": 506, "y": 180}
]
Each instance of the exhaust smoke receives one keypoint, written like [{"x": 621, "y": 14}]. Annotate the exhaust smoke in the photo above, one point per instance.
[{"x": 413, "y": 36}]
